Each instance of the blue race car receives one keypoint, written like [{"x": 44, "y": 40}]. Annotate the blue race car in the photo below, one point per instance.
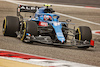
[{"x": 45, "y": 27}]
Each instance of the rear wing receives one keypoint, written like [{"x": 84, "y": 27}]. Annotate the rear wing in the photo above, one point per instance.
[{"x": 22, "y": 8}]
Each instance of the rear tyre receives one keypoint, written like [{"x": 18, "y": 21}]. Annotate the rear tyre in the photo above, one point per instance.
[
  {"x": 10, "y": 26},
  {"x": 30, "y": 27},
  {"x": 84, "y": 34}
]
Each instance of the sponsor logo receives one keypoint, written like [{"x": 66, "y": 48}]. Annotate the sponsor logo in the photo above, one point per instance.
[
  {"x": 27, "y": 7},
  {"x": 59, "y": 34},
  {"x": 43, "y": 24},
  {"x": 56, "y": 24},
  {"x": 22, "y": 7}
]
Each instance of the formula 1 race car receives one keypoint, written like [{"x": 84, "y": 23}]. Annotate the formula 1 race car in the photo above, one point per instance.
[{"x": 45, "y": 27}]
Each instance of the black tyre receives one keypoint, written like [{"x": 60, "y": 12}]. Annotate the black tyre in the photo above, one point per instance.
[
  {"x": 10, "y": 26},
  {"x": 84, "y": 34},
  {"x": 30, "y": 27}
]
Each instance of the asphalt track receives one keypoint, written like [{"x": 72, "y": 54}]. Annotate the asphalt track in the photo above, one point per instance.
[
  {"x": 90, "y": 56},
  {"x": 93, "y": 3}
]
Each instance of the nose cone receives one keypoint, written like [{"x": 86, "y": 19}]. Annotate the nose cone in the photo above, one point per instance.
[
  {"x": 62, "y": 42},
  {"x": 61, "y": 39},
  {"x": 58, "y": 30}
]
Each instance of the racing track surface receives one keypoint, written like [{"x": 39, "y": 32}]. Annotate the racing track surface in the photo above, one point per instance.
[
  {"x": 93, "y": 3},
  {"x": 90, "y": 56}
]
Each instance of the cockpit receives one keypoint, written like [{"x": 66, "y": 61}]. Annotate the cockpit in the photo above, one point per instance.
[{"x": 48, "y": 17}]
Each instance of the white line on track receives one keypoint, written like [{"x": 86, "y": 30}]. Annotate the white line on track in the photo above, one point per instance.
[
  {"x": 13, "y": 1},
  {"x": 58, "y": 5},
  {"x": 77, "y": 18}
]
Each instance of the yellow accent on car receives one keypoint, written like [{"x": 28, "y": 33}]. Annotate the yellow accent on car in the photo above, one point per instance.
[
  {"x": 79, "y": 34},
  {"x": 5, "y": 26},
  {"x": 47, "y": 5},
  {"x": 24, "y": 31}
]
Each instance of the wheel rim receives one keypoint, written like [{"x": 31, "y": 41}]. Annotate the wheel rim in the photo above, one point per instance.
[
  {"x": 23, "y": 32},
  {"x": 4, "y": 26}
]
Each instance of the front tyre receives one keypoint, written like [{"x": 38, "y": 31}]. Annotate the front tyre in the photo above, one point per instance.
[
  {"x": 29, "y": 27},
  {"x": 84, "y": 33}
]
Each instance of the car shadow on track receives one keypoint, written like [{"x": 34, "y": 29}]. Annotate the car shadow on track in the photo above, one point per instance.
[
  {"x": 60, "y": 46},
  {"x": 54, "y": 46},
  {"x": 51, "y": 45}
]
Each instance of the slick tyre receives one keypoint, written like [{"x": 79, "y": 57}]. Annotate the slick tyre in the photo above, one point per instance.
[
  {"x": 29, "y": 27},
  {"x": 10, "y": 26},
  {"x": 84, "y": 34}
]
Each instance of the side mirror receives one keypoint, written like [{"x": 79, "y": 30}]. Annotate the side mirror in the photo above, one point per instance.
[
  {"x": 30, "y": 16},
  {"x": 68, "y": 20}
]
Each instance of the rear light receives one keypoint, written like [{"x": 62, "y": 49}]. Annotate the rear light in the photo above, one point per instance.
[{"x": 92, "y": 43}]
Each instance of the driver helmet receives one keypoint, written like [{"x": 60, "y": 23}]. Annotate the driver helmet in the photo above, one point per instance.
[{"x": 49, "y": 18}]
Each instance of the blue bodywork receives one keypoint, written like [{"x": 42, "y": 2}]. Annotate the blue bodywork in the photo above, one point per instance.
[{"x": 39, "y": 16}]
